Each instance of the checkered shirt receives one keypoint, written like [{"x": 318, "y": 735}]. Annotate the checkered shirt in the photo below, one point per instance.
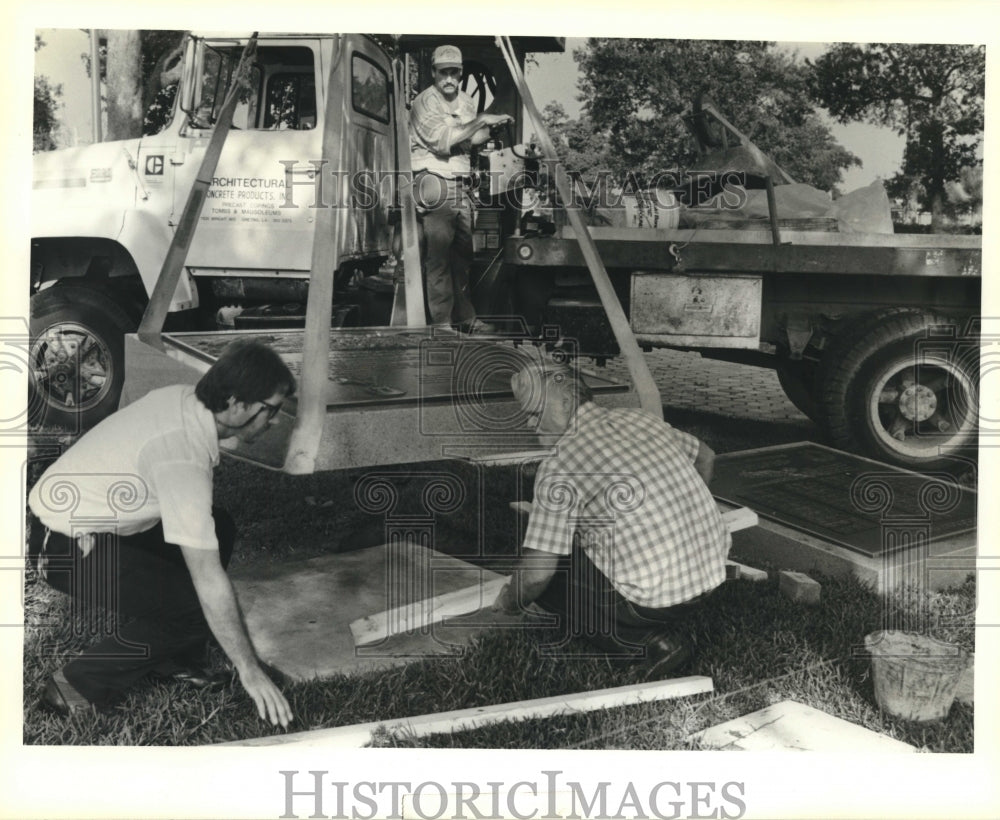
[
  {"x": 626, "y": 482},
  {"x": 433, "y": 124}
]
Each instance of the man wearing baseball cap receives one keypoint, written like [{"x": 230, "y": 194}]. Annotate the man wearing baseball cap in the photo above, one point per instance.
[{"x": 444, "y": 126}]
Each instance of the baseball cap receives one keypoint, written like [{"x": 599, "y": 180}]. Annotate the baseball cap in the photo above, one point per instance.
[{"x": 446, "y": 55}]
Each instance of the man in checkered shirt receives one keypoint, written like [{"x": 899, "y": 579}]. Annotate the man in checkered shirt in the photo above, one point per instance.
[{"x": 624, "y": 537}]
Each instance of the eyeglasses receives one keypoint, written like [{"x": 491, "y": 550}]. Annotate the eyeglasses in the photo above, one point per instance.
[{"x": 272, "y": 411}]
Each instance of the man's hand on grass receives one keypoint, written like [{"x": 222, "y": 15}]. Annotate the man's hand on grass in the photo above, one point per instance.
[{"x": 271, "y": 704}]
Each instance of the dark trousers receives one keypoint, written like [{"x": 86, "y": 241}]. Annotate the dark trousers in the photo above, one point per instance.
[
  {"x": 445, "y": 221},
  {"x": 591, "y": 608},
  {"x": 146, "y": 582}
]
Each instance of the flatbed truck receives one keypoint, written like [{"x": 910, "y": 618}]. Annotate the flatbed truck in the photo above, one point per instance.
[{"x": 875, "y": 336}]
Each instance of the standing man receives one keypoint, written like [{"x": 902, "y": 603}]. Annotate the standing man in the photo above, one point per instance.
[
  {"x": 129, "y": 525},
  {"x": 624, "y": 537},
  {"x": 444, "y": 126}
]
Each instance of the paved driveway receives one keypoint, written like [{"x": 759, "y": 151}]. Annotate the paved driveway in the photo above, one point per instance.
[
  {"x": 706, "y": 396},
  {"x": 687, "y": 381}
]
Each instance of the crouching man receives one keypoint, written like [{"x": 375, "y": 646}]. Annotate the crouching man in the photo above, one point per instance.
[
  {"x": 624, "y": 540},
  {"x": 159, "y": 558}
]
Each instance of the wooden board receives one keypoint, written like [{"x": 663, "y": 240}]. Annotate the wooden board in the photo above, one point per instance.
[
  {"x": 739, "y": 519},
  {"x": 360, "y": 734},
  {"x": 422, "y": 614},
  {"x": 793, "y": 726}
]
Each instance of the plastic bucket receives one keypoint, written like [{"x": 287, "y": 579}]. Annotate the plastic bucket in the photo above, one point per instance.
[{"x": 915, "y": 676}]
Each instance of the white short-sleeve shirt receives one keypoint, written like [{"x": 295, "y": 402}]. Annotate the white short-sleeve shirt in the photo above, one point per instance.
[{"x": 152, "y": 461}]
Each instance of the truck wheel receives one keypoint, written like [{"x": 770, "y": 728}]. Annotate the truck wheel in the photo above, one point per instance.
[
  {"x": 892, "y": 392},
  {"x": 76, "y": 355},
  {"x": 798, "y": 380}
]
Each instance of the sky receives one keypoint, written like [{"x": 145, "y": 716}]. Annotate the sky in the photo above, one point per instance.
[{"x": 554, "y": 78}]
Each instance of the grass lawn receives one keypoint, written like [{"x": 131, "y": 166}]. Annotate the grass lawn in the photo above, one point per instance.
[{"x": 758, "y": 647}]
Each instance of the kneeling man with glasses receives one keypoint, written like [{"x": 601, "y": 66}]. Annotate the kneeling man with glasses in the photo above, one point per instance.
[{"x": 124, "y": 520}]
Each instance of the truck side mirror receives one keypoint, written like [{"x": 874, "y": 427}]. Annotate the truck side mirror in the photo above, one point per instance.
[{"x": 194, "y": 58}]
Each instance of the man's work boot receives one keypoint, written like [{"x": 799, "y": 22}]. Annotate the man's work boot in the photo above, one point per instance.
[
  {"x": 477, "y": 327},
  {"x": 197, "y": 677},
  {"x": 666, "y": 652},
  {"x": 60, "y": 697}
]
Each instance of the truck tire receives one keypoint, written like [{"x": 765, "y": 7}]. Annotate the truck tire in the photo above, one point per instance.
[
  {"x": 891, "y": 391},
  {"x": 76, "y": 356}
]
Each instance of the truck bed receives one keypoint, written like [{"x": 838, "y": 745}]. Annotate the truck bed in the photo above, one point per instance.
[{"x": 739, "y": 251}]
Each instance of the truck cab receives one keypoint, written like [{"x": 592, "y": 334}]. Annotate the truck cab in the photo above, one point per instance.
[{"x": 103, "y": 216}]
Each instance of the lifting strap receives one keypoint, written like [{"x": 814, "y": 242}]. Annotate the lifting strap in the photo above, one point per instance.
[
  {"x": 408, "y": 303},
  {"x": 173, "y": 263},
  {"x": 645, "y": 386}
]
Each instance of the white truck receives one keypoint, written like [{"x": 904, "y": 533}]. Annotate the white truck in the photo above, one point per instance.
[{"x": 843, "y": 318}]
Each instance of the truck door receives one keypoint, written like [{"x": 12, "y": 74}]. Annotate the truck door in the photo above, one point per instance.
[
  {"x": 369, "y": 150},
  {"x": 247, "y": 223}
]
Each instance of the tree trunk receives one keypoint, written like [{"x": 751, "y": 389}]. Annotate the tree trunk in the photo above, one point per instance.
[
  {"x": 938, "y": 220},
  {"x": 124, "y": 84}
]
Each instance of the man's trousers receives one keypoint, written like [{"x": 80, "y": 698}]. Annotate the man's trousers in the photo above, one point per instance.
[
  {"x": 446, "y": 220},
  {"x": 146, "y": 582},
  {"x": 591, "y": 608}
]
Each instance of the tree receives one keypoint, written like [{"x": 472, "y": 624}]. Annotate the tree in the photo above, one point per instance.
[
  {"x": 580, "y": 147},
  {"x": 46, "y": 104},
  {"x": 141, "y": 69},
  {"x": 122, "y": 74},
  {"x": 162, "y": 59},
  {"x": 933, "y": 95},
  {"x": 637, "y": 90}
]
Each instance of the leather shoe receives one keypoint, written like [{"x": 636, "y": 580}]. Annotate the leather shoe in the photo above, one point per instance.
[
  {"x": 60, "y": 697},
  {"x": 477, "y": 327},
  {"x": 193, "y": 676},
  {"x": 666, "y": 653}
]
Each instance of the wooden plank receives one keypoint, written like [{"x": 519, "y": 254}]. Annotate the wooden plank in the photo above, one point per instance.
[
  {"x": 741, "y": 518},
  {"x": 421, "y": 614},
  {"x": 360, "y": 734},
  {"x": 793, "y": 726},
  {"x": 743, "y": 571}
]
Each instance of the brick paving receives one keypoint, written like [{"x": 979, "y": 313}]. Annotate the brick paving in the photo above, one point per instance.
[{"x": 688, "y": 381}]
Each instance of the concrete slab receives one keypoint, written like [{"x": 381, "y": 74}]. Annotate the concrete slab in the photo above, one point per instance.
[
  {"x": 793, "y": 726},
  {"x": 299, "y": 613},
  {"x": 915, "y": 561},
  {"x": 868, "y": 507},
  {"x": 780, "y": 546}
]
